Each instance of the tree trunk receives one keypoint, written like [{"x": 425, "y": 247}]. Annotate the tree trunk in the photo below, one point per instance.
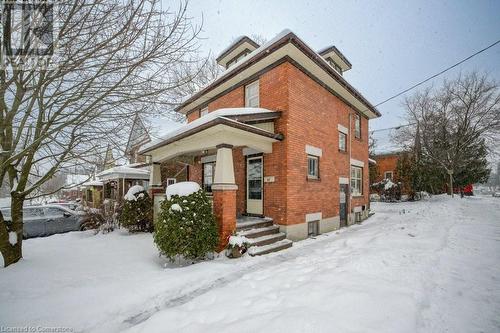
[
  {"x": 12, "y": 253},
  {"x": 451, "y": 183}
]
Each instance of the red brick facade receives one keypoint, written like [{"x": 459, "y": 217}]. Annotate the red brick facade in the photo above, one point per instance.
[
  {"x": 310, "y": 115},
  {"x": 225, "y": 210},
  {"x": 386, "y": 163}
]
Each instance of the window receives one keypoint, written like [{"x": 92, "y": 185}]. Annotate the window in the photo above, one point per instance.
[
  {"x": 171, "y": 181},
  {"x": 312, "y": 167},
  {"x": 357, "y": 126},
  {"x": 312, "y": 228},
  {"x": 208, "y": 176},
  {"x": 388, "y": 175},
  {"x": 53, "y": 212},
  {"x": 356, "y": 180},
  {"x": 203, "y": 112},
  {"x": 252, "y": 95},
  {"x": 342, "y": 141},
  {"x": 89, "y": 196}
]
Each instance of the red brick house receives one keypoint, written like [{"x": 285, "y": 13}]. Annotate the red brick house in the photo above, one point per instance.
[{"x": 280, "y": 134}]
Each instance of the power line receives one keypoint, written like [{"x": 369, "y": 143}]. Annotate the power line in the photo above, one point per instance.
[
  {"x": 394, "y": 127},
  {"x": 426, "y": 80},
  {"x": 437, "y": 74}
]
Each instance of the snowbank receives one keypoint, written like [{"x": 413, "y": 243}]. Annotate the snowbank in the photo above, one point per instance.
[
  {"x": 182, "y": 189},
  {"x": 130, "y": 196}
]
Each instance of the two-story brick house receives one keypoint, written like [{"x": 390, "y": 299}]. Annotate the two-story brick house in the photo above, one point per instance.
[{"x": 279, "y": 134}]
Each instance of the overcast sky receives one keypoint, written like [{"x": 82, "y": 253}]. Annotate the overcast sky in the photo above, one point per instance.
[{"x": 390, "y": 44}]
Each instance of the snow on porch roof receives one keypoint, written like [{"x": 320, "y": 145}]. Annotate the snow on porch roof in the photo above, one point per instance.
[
  {"x": 123, "y": 171},
  {"x": 226, "y": 113}
]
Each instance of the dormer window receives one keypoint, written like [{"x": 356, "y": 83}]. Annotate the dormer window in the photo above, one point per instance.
[
  {"x": 238, "y": 50},
  {"x": 252, "y": 95},
  {"x": 237, "y": 59},
  {"x": 336, "y": 59}
]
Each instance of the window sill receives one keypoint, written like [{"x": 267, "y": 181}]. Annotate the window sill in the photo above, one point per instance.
[
  {"x": 314, "y": 179},
  {"x": 342, "y": 151},
  {"x": 357, "y": 196}
]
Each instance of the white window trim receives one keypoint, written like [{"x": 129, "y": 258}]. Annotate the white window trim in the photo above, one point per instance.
[
  {"x": 317, "y": 167},
  {"x": 345, "y": 142},
  {"x": 247, "y": 97},
  {"x": 314, "y": 151},
  {"x": 357, "y": 163},
  {"x": 170, "y": 179},
  {"x": 314, "y": 217},
  {"x": 343, "y": 129},
  {"x": 356, "y": 118},
  {"x": 386, "y": 172},
  {"x": 204, "y": 111},
  {"x": 354, "y": 191},
  {"x": 208, "y": 159},
  {"x": 344, "y": 180}
]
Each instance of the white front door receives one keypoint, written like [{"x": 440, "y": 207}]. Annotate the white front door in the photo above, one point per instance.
[{"x": 254, "y": 185}]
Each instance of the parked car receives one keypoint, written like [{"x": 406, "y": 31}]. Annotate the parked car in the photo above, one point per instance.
[
  {"x": 74, "y": 206},
  {"x": 496, "y": 194},
  {"x": 49, "y": 219}
]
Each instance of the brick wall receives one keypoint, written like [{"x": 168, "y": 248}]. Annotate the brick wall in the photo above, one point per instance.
[
  {"x": 310, "y": 115},
  {"x": 386, "y": 163},
  {"x": 314, "y": 115}
]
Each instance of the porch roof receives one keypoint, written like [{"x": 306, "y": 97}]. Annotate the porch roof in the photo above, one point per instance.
[
  {"x": 224, "y": 126},
  {"x": 123, "y": 172}
]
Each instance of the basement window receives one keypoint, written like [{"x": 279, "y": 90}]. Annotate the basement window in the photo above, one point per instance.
[
  {"x": 312, "y": 228},
  {"x": 388, "y": 175}
]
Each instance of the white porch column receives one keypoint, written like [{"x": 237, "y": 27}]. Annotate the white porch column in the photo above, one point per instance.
[
  {"x": 224, "y": 168},
  {"x": 155, "y": 175}
]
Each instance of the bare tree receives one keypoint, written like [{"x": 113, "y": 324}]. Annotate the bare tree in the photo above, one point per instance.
[
  {"x": 455, "y": 121},
  {"x": 111, "y": 58}
]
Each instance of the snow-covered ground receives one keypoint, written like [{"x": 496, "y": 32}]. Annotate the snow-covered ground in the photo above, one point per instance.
[{"x": 430, "y": 266}]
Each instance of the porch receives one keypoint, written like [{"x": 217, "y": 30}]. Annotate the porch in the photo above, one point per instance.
[{"x": 211, "y": 142}]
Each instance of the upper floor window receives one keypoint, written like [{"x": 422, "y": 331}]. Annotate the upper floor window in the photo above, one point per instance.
[
  {"x": 203, "y": 111},
  {"x": 312, "y": 167},
  {"x": 342, "y": 141},
  {"x": 356, "y": 180},
  {"x": 252, "y": 95},
  {"x": 357, "y": 126}
]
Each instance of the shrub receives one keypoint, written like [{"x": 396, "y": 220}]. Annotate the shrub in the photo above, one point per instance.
[
  {"x": 388, "y": 190},
  {"x": 137, "y": 210},
  {"x": 186, "y": 226}
]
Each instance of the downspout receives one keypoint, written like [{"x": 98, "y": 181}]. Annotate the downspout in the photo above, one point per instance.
[{"x": 349, "y": 168}]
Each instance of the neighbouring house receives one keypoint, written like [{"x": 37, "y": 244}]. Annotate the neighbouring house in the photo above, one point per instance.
[
  {"x": 117, "y": 180},
  {"x": 280, "y": 135},
  {"x": 386, "y": 153},
  {"x": 93, "y": 195}
]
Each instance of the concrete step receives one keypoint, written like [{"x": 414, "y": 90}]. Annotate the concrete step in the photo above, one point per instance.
[
  {"x": 274, "y": 247},
  {"x": 252, "y": 223},
  {"x": 267, "y": 239},
  {"x": 259, "y": 232}
]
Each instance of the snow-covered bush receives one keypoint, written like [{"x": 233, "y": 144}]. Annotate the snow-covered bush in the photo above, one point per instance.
[
  {"x": 137, "y": 211},
  {"x": 237, "y": 246},
  {"x": 186, "y": 226},
  {"x": 388, "y": 190}
]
